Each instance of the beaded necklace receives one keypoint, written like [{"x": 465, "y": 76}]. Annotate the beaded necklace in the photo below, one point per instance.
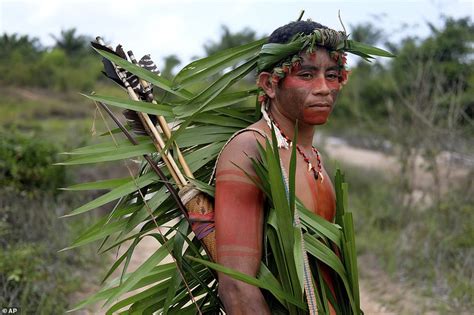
[{"x": 316, "y": 172}]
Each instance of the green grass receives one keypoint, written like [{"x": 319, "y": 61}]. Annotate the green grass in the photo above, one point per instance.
[
  {"x": 35, "y": 125},
  {"x": 33, "y": 274}
]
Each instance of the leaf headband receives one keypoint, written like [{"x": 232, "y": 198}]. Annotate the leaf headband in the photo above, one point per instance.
[{"x": 272, "y": 54}]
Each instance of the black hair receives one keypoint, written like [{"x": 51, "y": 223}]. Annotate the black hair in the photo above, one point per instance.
[{"x": 285, "y": 33}]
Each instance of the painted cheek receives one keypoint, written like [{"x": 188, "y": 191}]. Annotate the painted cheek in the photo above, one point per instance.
[
  {"x": 295, "y": 82},
  {"x": 334, "y": 85}
]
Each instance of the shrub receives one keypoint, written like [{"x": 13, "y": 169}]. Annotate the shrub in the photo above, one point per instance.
[
  {"x": 27, "y": 163},
  {"x": 427, "y": 246}
]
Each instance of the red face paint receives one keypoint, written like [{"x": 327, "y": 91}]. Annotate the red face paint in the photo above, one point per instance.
[{"x": 309, "y": 92}]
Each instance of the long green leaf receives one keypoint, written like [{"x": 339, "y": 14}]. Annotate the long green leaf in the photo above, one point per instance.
[
  {"x": 327, "y": 256},
  {"x": 158, "y": 273},
  {"x": 139, "y": 106},
  {"x": 98, "y": 185},
  {"x": 261, "y": 283},
  {"x": 224, "y": 100},
  {"x": 215, "y": 119},
  {"x": 217, "y": 62},
  {"x": 105, "y": 146},
  {"x": 202, "y": 186},
  {"x": 118, "y": 153},
  {"x": 368, "y": 50},
  {"x": 99, "y": 233},
  {"x": 203, "y": 155},
  {"x": 284, "y": 214},
  {"x": 144, "y": 212},
  {"x": 199, "y": 103},
  {"x": 157, "y": 292},
  {"x": 141, "y": 271},
  {"x": 116, "y": 193},
  {"x": 319, "y": 225}
]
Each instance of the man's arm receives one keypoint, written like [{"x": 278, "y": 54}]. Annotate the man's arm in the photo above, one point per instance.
[{"x": 239, "y": 226}]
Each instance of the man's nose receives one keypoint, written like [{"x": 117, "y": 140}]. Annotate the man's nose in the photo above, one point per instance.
[{"x": 320, "y": 87}]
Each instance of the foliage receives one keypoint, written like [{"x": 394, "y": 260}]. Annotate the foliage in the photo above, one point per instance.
[
  {"x": 26, "y": 163},
  {"x": 230, "y": 40},
  {"x": 214, "y": 123},
  {"x": 170, "y": 62},
  {"x": 366, "y": 33},
  {"x": 71, "y": 43},
  {"x": 420, "y": 245},
  {"x": 446, "y": 56},
  {"x": 32, "y": 275},
  {"x": 19, "y": 45},
  {"x": 69, "y": 65}
]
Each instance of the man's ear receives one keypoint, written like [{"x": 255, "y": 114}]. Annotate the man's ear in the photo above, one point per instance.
[{"x": 264, "y": 81}]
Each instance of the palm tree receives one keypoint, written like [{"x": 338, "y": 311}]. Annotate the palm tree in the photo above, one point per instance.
[
  {"x": 26, "y": 46},
  {"x": 171, "y": 62},
  {"x": 71, "y": 43},
  {"x": 230, "y": 40}
]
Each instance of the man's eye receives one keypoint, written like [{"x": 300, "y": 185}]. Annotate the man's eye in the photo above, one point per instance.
[
  {"x": 306, "y": 76},
  {"x": 332, "y": 76}
]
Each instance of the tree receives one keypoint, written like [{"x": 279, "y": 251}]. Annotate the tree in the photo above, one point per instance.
[
  {"x": 71, "y": 43},
  {"x": 229, "y": 40},
  {"x": 366, "y": 33},
  {"x": 448, "y": 51},
  {"x": 26, "y": 46},
  {"x": 170, "y": 62}
]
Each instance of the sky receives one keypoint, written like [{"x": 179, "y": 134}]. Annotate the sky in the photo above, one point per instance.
[{"x": 182, "y": 27}]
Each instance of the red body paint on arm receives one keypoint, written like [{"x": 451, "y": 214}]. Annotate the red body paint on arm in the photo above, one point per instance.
[{"x": 239, "y": 219}]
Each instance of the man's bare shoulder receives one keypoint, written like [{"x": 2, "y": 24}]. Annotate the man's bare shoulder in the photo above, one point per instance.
[{"x": 243, "y": 146}]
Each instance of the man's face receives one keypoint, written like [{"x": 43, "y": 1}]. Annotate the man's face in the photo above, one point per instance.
[{"x": 309, "y": 92}]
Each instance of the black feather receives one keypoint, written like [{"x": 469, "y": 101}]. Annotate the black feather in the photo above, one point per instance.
[
  {"x": 109, "y": 71},
  {"x": 120, "y": 52},
  {"x": 104, "y": 48},
  {"x": 148, "y": 64},
  {"x": 115, "y": 79},
  {"x": 135, "y": 123}
]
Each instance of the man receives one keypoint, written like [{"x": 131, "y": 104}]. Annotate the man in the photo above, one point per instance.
[{"x": 301, "y": 88}]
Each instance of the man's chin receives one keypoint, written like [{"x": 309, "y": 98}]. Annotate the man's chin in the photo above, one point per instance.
[
  {"x": 316, "y": 115},
  {"x": 316, "y": 121}
]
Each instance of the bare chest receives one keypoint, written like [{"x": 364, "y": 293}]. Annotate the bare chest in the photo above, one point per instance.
[{"x": 317, "y": 195}]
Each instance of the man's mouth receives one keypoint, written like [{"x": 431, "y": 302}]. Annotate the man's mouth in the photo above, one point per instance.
[{"x": 320, "y": 105}]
